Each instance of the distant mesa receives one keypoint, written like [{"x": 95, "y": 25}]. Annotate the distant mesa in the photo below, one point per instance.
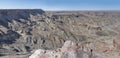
[{"x": 7, "y": 15}]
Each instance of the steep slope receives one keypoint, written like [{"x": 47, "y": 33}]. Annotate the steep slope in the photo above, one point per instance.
[{"x": 12, "y": 21}]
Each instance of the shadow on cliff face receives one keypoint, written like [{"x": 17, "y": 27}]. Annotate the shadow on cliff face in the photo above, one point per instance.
[
  {"x": 8, "y": 15},
  {"x": 9, "y": 38}
]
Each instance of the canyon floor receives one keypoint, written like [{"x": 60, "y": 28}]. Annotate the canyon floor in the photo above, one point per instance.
[{"x": 23, "y": 31}]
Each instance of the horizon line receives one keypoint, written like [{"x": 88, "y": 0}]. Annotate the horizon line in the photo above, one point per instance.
[{"x": 55, "y": 10}]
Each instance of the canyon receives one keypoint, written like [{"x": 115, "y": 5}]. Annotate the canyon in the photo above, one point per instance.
[{"x": 23, "y": 31}]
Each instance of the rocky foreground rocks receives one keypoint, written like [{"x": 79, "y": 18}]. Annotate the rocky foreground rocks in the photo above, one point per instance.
[{"x": 78, "y": 50}]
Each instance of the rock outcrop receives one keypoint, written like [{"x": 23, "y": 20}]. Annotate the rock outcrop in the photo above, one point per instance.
[{"x": 77, "y": 50}]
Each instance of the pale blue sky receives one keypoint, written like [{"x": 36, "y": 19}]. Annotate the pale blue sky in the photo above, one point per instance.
[{"x": 61, "y": 4}]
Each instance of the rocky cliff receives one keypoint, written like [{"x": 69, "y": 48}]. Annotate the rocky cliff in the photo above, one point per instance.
[
  {"x": 77, "y": 50},
  {"x": 24, "y": 31}
]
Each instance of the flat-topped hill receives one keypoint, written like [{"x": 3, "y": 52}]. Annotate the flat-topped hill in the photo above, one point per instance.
[{"x": 8, "y": 15}]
